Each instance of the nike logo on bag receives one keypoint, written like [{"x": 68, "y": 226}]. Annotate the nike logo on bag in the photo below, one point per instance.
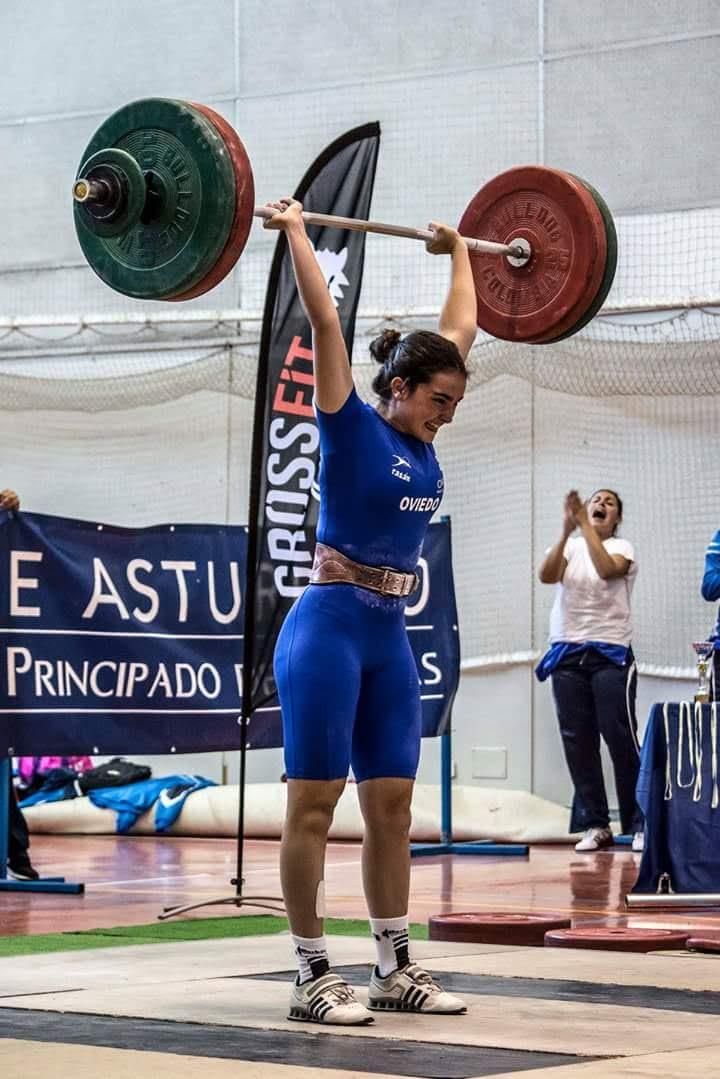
[{"x": 171, "y": 796}]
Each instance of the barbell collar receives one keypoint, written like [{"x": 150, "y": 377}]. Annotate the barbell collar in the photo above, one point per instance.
[{"x": 85, "y": 191}]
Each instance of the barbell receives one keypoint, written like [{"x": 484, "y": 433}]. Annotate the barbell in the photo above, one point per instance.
[{"x": 164, "y": 202}]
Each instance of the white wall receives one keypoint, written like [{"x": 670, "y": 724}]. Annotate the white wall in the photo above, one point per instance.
[{"x": 624, "y": 94}]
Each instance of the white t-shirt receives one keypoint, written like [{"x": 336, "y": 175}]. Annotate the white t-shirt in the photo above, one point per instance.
[{"x": 588, "y": 608}]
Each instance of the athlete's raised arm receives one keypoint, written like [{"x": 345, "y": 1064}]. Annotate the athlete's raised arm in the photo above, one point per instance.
[
  {"x": 333, "y": 379},
  {"x": 458, "y": 318}
]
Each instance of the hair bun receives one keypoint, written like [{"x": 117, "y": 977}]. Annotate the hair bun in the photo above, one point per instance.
[{"x": 382, "y": 346}]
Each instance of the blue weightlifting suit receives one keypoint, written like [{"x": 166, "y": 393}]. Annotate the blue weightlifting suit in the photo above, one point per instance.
[{"x": 345, "y": 672}]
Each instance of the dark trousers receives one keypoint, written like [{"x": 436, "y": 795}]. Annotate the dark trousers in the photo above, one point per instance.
[
  {"x": 18, "y": 838},
  {"x": 594, "y": 698}
]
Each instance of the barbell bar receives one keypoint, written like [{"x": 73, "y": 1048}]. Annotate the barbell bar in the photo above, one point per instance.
[
  {"x": 100, "y": 193},
  {"x": 355, "y": 224}
]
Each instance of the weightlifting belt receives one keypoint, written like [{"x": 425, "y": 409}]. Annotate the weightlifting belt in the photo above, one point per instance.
[{"x": 333, "y": 567}]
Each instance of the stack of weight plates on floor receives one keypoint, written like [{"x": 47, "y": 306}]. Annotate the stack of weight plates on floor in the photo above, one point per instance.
[
  {"x": 554, "y": 931},
  {"x": 698, "y": 943},
  {"x": 499, "y": 927},
  {"x": 615, "y": 938}
]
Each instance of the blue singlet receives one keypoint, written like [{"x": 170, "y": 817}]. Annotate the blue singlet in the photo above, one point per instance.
[{"x": 345, "y": 672}]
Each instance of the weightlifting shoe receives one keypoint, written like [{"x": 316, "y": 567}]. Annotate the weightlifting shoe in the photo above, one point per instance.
[
  {"x": 327, "y": 999},
  {"x": 411, "y": 989}
]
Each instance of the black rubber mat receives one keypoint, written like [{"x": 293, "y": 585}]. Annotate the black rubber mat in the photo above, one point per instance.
[
  {"x": 703, "y": 1002},
  {"x": 372, "y": 1055}
]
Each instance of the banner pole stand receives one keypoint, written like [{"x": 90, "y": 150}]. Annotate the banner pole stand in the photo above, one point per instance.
[
  {"x": 7, "y": 884},
  {"x": 266, "y": 902},
  {"x": 446, "y": 844}
]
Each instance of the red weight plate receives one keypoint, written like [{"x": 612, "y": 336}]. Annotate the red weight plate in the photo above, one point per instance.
[
  {"x": 244, "y": 206},
  {"x": 703, "y": 944},
  {"x": 608, "y": 276},
  {"x": 616, "y": 938},
  {"x": 498, "y": 927},
  {"x": 561, "y": 221}
]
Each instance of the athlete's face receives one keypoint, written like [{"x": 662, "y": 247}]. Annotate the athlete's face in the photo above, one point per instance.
[
  {"x": 603, "y": 513},
  {"x": 422, "y": 411}
]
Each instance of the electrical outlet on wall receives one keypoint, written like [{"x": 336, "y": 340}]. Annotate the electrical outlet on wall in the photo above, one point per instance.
[{"x": 489, "y": 762}]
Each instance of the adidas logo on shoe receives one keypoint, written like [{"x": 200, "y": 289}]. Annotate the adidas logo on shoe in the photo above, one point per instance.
[
  {"x": 411, "y": 989},
  {"x": 327, "y": 1000}
]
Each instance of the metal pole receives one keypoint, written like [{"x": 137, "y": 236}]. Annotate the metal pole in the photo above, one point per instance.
[
  {"x": 446, "y": 787},
  {"x": 672, "y": 900},
  {"x": 5, "y": 796},
  {"x": 488, "y": 247}
]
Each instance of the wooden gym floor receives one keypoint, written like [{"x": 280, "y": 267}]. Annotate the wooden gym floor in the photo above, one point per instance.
[{"x": 216, "y": 1008}]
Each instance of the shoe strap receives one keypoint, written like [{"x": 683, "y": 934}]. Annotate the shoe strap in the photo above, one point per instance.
[
  {"x": 333, "y": 986},
  {"x": 420, "y": 976}
]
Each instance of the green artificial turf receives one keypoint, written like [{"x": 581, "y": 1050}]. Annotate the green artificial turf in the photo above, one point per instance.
[{"x": 164, "y": 932}]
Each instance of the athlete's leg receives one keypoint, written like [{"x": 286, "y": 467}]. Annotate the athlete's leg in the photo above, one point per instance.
[
  {"x": 317, "y": 670},
  {"x": 310, "y": 806},
  {"x": 385, "y": 754},
  {"x": 318, "y": 994},
  {"x": 386, "y": 747},
  {"x": 385, "y": 806},
  {"x": 396, "y": 983}
]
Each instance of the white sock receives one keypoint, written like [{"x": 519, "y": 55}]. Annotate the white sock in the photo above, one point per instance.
[
  {"x": 311, "y": 954},
  {"x": 391, "y": 941}
]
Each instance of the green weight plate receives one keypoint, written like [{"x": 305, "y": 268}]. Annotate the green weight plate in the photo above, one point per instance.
[
  {"x": 244, "y": 205},
  {"x": 189, "y": 206},
  {"x": 124, "y": 184},
  {"x": 610, "y": 266}
]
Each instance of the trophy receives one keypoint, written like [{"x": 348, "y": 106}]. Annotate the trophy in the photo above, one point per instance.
[{"x": 703, "y": 651}]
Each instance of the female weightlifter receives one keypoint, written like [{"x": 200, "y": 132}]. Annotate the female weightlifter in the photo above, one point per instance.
[
  {"x": 344, "y": 668},
  {"x": 591, "y": 663}
]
